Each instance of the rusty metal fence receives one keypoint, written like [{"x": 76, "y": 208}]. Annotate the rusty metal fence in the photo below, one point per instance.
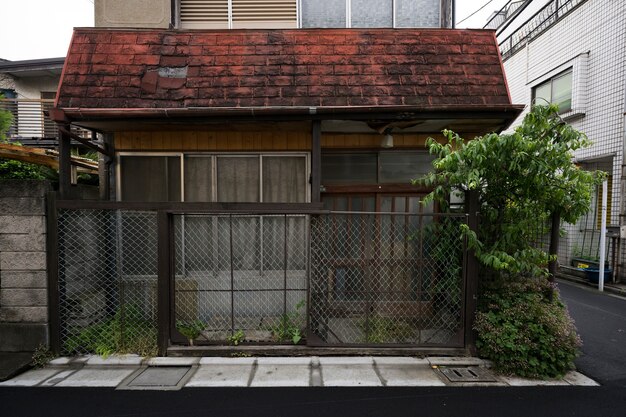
[
  {"x": 387, "y": 279},
  {"x": 136, "y": 279},
  {"x": 107, "y": 262},
  {"x": 241, "y": 278}
]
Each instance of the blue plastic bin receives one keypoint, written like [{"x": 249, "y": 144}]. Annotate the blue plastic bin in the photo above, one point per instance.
[{"x": 593, "y": 275}]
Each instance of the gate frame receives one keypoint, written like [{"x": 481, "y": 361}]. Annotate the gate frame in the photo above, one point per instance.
[{"x": 164, "y": 211}]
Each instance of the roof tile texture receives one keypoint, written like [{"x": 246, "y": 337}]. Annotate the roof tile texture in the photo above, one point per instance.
[{"x": 108, "y": 68}]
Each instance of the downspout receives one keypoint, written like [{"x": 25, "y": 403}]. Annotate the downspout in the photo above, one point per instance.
[{"x": 453, "y": 14}]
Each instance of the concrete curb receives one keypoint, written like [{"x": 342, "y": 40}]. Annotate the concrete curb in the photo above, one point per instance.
[{"x": 120, "y": 371}]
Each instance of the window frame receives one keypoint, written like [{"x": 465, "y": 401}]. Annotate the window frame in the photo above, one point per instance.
[
  {"x": 550, "y": 81},
  {"x": 214, "y": 156},
  {"x": 229, "y": 18}
]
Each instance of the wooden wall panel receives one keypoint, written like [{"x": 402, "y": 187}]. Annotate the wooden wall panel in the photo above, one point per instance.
[
  {"x": 242, "y": 141},
  {"x": 219, "y": 141}
]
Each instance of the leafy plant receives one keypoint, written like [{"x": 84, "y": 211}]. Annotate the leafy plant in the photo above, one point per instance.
[
  {"x": 379, "y": 329},
  {"x": 42, "y": 356},
  {"x": 124, "y": 332},
  {"x": 236, "y": 338},
  {"x": 6, "y": 119},
  {"x": 289, "y": 328},
  {"x": 525, "y": 331},
  {"x": 240, "y": 355},
  {"x": 190, "y": 329},
  {"x": 10, "y": 169},
  {"x": 521, "y": 180}
]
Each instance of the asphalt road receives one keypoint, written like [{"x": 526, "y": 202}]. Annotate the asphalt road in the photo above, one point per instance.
[
  {"x": 601, "y": 323},
  {"x": 317, "y": 402}
]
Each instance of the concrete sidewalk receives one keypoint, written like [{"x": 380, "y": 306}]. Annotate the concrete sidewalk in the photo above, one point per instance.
[{"x": 134, "y": 372}]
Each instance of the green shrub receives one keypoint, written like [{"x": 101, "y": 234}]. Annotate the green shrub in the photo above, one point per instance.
[
  {"x": 124, "y": 332},
  {"x": 524, "y": 332},
  {"x": 17, "y": 170}
]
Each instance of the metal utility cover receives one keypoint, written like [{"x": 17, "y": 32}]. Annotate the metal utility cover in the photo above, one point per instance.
[
  {"x": 160, "y": 377},
  {"x": 468, "y": 374}
]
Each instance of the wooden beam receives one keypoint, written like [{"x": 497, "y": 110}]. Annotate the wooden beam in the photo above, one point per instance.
[
  {"x": 316, "y": 160},
  {"x": 84, "y": 141},
  {"x": 65, "y": 171},
  {"x": 46, "y": 157}
]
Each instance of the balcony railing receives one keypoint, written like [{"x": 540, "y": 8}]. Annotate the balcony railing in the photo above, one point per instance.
[
  {"x": 541, "y": 21},
  {"x": 31, "y": 126}
]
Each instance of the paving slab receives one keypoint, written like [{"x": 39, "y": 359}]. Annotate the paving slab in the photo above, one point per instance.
[
  {"x": 30, "y": 378},
  {"x": 400, "y": 360},
  {"x": 282, "y": 372},
  {"x": 160, "y": 377},
  {"x": 220, "y": 374},
  {"x": 62, "y": 361},
  {"x": 50, "y": 382},
  {"x": 524, "y": 382},
  {"x": 346, "y": 360},
  {"x": 115, "y": 360},
  {"x": 349, "y": 372},
  {"x": 96, "y": 377},
  {"x": 417, "y": 373},
  {"x": 576, "y": 378},
  {"x": 456, "y": 361},
  {"x": 172, "y": 361},
  {"x": 226, "y": 361}
]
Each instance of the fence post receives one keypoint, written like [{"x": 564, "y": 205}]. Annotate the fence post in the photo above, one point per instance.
[
  {"x": 554, "y": 245},
  {"x": 52, "y": 259},
  {"x": 471, "y": 272},
  {"x": 163, "y": 285}
]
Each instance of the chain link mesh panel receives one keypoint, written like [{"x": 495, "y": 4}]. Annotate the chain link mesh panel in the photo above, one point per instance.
[
  {"x": 107, "y": 281},
  {"x": 387, "y": 279},
  {"x": 241, "y": 274}
]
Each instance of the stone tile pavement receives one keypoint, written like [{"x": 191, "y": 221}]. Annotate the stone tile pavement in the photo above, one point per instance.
[{"x": 134, "y": 372}]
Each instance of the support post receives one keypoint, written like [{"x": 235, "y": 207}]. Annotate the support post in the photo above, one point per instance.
[
  {"x": 163, "y": 285},
  {"x": 471, "y": 272},
  {"x": 603, "y": 237},
  {"x": 65, "y": 168},
  {"x": 316, "y": 160},
  {"x": 52, "y": 249},
  {"x": 554, "y": 245}
]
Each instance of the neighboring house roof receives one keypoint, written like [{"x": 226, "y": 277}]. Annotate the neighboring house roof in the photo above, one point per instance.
[
  {"x": 281, "y": 69},
  {"x": 33, "y": 67}
]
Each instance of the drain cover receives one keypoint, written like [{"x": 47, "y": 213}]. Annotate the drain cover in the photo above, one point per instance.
[
  {"x": 158, "y": 377},
  {"x": 468, "y": 374}
]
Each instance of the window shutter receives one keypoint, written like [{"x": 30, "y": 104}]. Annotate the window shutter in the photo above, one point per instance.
[
  {"x": 204, "y": 14},
  {"x": 275, "y": 14},
  {"x": 246, "y": 14}
]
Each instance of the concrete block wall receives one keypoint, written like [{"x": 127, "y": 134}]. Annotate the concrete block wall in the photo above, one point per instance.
[{"x": 23, "y": 275}]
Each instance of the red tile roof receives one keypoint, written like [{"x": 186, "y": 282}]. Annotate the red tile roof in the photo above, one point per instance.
[{"x": 110, "y": 68}]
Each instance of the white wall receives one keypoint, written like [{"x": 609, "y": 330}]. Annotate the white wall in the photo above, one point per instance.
[{"x": 592, "y": 40}]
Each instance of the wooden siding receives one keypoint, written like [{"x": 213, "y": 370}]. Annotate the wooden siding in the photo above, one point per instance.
[{"x": 233, "y": 141}]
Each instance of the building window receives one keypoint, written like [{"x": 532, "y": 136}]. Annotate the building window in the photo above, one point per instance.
[
  {"x": 230, "y": 178},
  {"x": 238, "y": 14},
  {"x": 383, "y": 167},
  {"x": 556, "y": 90}
]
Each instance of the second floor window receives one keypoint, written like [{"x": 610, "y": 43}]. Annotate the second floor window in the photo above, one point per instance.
[
  {"x": 238, "y": 14},
  {"x": 556, "y": 90}
]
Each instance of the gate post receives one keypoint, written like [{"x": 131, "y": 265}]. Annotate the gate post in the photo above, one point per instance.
[
  {"x": 163, "y": 283},
  {"x": 471, "y": 272},
  {"x": 52, "y": 259}
]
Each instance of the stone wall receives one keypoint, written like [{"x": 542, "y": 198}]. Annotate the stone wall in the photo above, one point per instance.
[{"x": 23, "y": 277}]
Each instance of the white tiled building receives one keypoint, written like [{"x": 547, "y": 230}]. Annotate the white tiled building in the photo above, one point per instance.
[{"x": 574, "y": 52}]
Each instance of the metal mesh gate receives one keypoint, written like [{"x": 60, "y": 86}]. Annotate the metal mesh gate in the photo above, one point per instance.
[
  {"x": 387, "y": 279},
  {"x": 107, "y": 281},
  {"x": 241, "y": 276}
]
